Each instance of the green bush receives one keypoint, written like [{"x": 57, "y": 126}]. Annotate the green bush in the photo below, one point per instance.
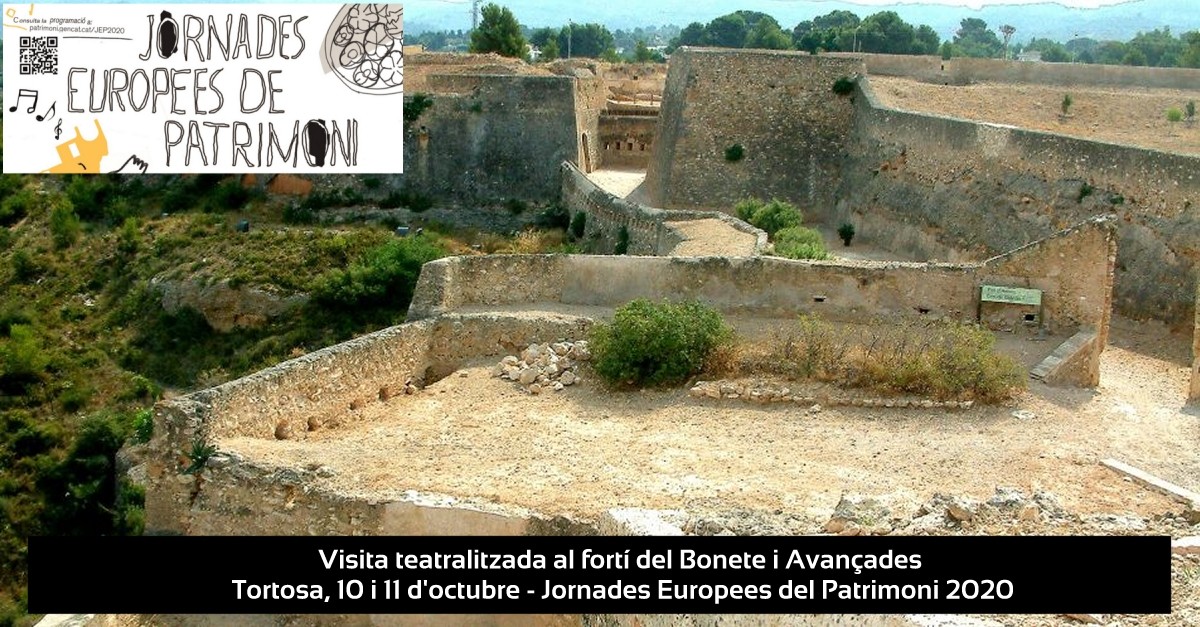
[
  {"x": 141, "y": 388},
  {"x": 1190, "y": 110},
  {"x": 386, "y": 276},
  {"x": 75, "y": 398},
  {"x": 846, "y": 232},
  {"x": 1085, "y": 190},
  {"x": 843, "y": 86},
  {"x": 22, "y": 360},
  {"x": 770, "y": 217},
  {"x": 652, "y": 344},
  {"x": 556, "y": 216},
  {"x": 578, "y": 225},
  {"x": 797, "y": 242},
  {"x": 24, "y": 266},
  {"x": 229, "y": 196},
  {"x": 516, "y": 206},
  {"x": 415, "y": 107},
  {"x": 64, "y": 225},
  {"x": 1067, "y": 101},
  {"x": 143, "y": 426},
  {"x": 1174, "y": 115},
  {"x": 17, "y": 205},
  {"x": 90, "y": 195},
  {"x": 129, "y": 237},
  {"x": 735, "y": 153},
  {"x": 296, "y": 213}
]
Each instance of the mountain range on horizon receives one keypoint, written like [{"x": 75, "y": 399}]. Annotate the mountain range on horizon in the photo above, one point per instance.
[{"x": 1049, "y": 19}]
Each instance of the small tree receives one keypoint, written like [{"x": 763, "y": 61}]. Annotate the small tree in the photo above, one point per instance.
[
  {"x": 550, "y": 51},
  {"x": 642, "y": 53},
  {"x": 846, "y": 232},
  {"x": 1190, "y": 112},
  {"x": 498, "y": 32},
  {"x": 64, "y": 224},
  {"x": 1066, "y": 104}
]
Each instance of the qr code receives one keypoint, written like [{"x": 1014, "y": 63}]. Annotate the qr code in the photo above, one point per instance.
[{"x": 39, "y": 55}]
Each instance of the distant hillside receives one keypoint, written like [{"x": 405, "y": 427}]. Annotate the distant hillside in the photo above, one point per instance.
[{"x": 1051, "y": 20}]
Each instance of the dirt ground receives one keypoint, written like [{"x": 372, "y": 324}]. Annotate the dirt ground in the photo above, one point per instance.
[
  {"x": 1132, "y": 116},
  {"x": 587, "y": 449},
  {"x": 781, "y": 469}
]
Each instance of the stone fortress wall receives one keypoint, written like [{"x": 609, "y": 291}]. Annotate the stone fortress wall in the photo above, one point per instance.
[
  {"x": 776, "y": 105},
  {"x": 464, "y": 309},
  {"x": 932, "y": 186},
  {"x": 964, "y": 71},
  {"x": 650, "y": 230},
  {"x": 982, "y": 188},
  {"x": 1073, "y": 269}
]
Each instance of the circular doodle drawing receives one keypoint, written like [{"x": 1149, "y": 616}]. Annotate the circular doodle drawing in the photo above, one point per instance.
[{"x": 365, "y": 47}]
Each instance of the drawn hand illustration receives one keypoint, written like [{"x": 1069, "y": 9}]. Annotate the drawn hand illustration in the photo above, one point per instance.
[
  {"x": 365, "y": 48},
  {"x": 79, "y": 155},
  {"x": 138, "y": 165}
]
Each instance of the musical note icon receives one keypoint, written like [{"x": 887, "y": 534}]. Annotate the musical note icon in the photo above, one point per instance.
[
  {"x": 48, "y": 114},
  {"x": 58, "y": 129},
  {"x": 25, "y": 93}
]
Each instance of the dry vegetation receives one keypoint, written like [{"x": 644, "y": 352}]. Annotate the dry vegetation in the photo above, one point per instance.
[{"x": 947, "y": 361}]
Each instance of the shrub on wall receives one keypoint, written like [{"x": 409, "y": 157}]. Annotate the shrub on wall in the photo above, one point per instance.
[
  {"x": 843, "y": 86},
  {"x": 735, "y": 153},
  {"x": 769, "y": 216},
  {"x": 415, "y": 107},
  {"x": 578, "y": 225},
  {"x": 622, "y": 246},
  {"x": 654, "y": 344},
  {"x": 798, "y": 242}
]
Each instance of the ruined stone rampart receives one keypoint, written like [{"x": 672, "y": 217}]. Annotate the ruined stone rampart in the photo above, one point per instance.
[
  {"x": 778, "y": 106},
  {"x": 963, "y": 70},
  {"x": 492, "y": 137},
  {"x": 649, "y": 228},
  {"x": 287, "y": 402},
  {"x": 1073, "y": 269},
  {"x": 982, "y": 188}
]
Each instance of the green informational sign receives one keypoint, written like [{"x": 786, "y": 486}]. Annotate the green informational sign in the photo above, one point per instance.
[{"x": 1015, "y": 295}]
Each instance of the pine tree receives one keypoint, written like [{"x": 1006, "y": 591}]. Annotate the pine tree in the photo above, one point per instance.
[{"x": 498, "y": 32}]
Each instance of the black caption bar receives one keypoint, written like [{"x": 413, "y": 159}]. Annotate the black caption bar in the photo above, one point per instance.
[{"x": 575, "y": 575}]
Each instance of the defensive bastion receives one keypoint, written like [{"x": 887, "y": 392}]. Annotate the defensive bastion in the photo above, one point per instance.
[{"x": 926, "y": 185}]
